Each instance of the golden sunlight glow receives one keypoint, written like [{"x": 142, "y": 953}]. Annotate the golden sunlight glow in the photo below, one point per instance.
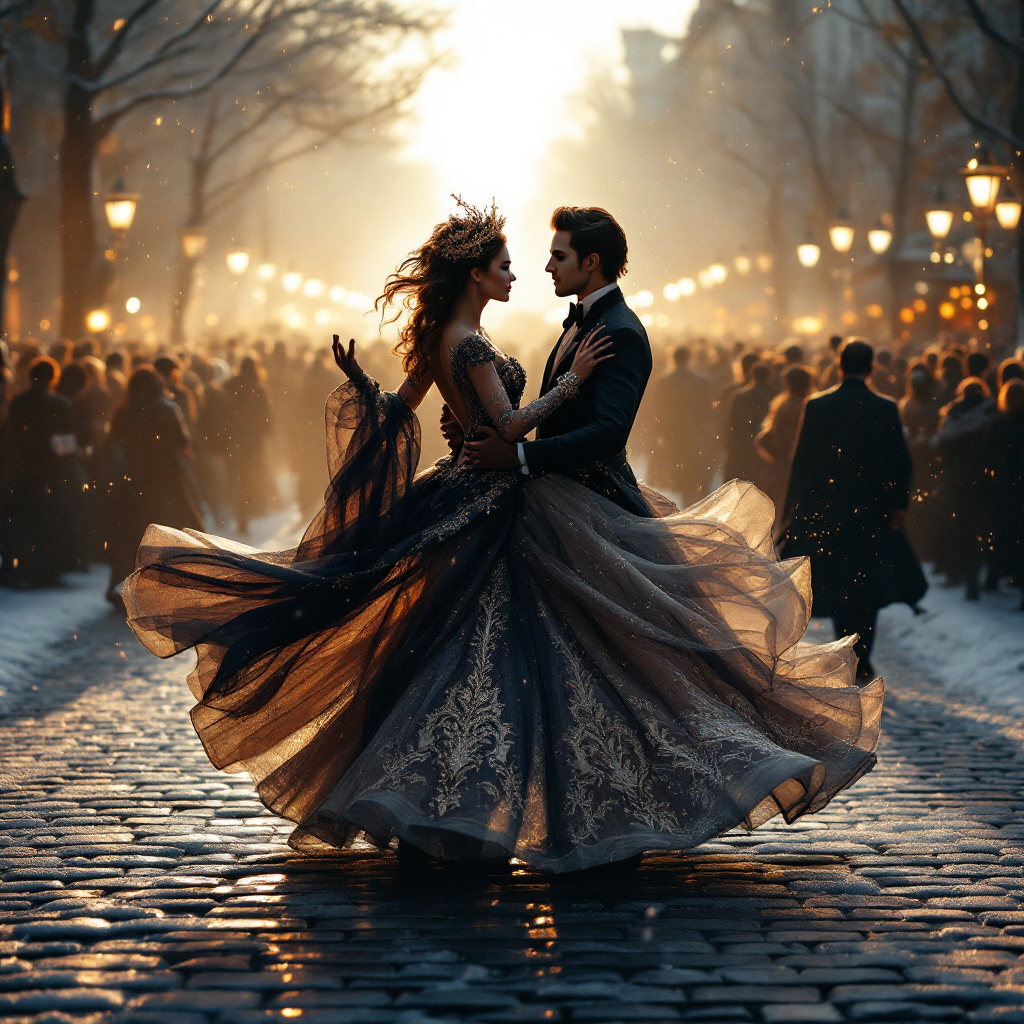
[{"x": 514, "y": 87}]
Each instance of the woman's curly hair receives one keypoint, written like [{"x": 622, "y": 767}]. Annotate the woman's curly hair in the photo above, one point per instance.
[{"x": 431, "y": 278}]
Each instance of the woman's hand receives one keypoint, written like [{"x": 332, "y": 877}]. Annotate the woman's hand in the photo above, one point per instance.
[
  {"x": 347, "y": 360},
  {"x": 592, "y": 350}
]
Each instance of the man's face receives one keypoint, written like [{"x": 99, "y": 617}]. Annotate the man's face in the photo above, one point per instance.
[{"x": 568, "y": 277}]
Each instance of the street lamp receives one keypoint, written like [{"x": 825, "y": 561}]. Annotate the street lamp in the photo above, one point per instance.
[
  {"x": 808, "y": 253},
  {"x": 193, "y": 241},
  {"x": 266, "y": 271},
  {"x": 939, "y": 218},
  {"x": 291, "y": 281},
  {"x": 840, "y": 233},
  {"x": 879, "y": 239},
  {"x": 97, "y": 320},
  {"x": 119, "y": 206},
  {"x": 983, "y": 179},
  {"x": 238, "y": 261},
  {"x": 1008, "y": 213}
]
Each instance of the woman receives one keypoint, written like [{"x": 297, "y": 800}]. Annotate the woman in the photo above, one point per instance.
[
  {"x": 961, "y": 441},
  {"x": 487, "y": 665},
  {"x": 919, "y": 414},
  {"x": 1004, "y": 461},
  {"x": 777, "y": 438},
  {"x": 145, "y": 462},
  {"x": 246, "y": 426}
]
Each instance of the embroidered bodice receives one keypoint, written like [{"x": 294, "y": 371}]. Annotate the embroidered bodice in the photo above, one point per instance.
[{"x": 473, "y": 350}]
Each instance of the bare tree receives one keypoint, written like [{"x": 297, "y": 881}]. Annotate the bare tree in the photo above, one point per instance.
[
  {"x": 267, "y": 114},
  {"x": 976, "y": 50},
  {"x": 11, "y": 196},
  {"x": 118, "y": 61}
]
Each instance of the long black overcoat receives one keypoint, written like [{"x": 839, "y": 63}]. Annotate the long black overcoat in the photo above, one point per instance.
[{"x": 851, "y": 471}]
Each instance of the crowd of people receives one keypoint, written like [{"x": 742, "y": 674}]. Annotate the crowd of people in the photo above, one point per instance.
[
  {"x": 711, "y": 418},
  {"x": 97, "y": 440}
]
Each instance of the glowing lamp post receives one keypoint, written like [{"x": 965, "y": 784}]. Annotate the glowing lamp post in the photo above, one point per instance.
[
  {"x": 238, "y": 262},
  {"x": 1008, "y": 213},
  {"x": 119, "y": 205},
  {"x": 808, "y": 253},
  {"x": 983, "y": 181},
  {"x": 939, "y": 219},
  {"x": 97, "y": 321},
  {"x": 193, "y": 242},
  {"x": 840, "y": 234},
  {"x": 879, "y": 240},
  {"x": 983, "y": 178}
]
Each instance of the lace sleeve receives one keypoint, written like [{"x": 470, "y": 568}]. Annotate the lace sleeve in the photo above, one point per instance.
[
  {"x": 473, "y": 350},
  {"x": 512, "y": 424}
]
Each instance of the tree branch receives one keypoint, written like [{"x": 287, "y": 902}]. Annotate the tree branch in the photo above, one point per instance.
[
  {"x": 982, "y": 20},
  {"x": 981, "y": 123}
]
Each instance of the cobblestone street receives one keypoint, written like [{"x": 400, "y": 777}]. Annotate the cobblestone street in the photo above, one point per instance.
[{"x": 138, "y": 884}]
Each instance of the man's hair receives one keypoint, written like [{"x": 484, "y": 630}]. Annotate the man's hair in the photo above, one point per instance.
[
  {"x": 977, "y": 364},
  {"x": 856, "y": 357},
  {"x": 593, "y": 230},
  {"x": 761, "y": 372},
  {"x": 45, "y": 370},
  {"x": 835, "y": 341}
]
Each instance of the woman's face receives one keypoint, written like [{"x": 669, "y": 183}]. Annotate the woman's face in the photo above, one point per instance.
[{"x": 496, "y": 281}]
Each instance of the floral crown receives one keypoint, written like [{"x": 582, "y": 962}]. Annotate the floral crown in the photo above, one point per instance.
[{"x": 467, "y": 235}]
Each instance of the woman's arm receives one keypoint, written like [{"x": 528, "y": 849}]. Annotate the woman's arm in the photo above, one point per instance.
[
  {"x": 514, "y": 424},
  {"x": 412, "y": 391}
]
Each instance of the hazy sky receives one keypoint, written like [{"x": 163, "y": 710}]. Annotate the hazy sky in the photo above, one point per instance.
[{"x": 516, "y": 65}]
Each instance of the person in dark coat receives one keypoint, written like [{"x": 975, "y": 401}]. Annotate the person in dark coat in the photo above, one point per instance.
[
  {"x": 247, "y": 414},
  {"x": 680, "y": 405},
  {"x": 776, "y": 440},
  {"x": 36, "y": 509},
  {"x": 965, "y": 528},
  {"x": 1005, "y": 463},
  {"x": 147, "y": 462},
  {"x": 848, "y": 493},
  {"x": 749, "y": 408}
]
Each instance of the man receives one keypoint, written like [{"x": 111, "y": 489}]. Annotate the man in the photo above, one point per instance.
[
  {"x": 37, "y": 512},
  {"x": 847, "y": 501},
  {"x": 585, "y": 438},
  {"x": 680, "y": 405},
  {"x": 747, "y": 411}
]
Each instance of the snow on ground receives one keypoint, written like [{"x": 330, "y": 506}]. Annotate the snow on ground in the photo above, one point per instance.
[
  {"x": 970, "y": 647},
  {"x": 40, "y": 628}
]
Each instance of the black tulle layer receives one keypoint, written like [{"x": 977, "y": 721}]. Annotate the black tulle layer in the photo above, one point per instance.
[{"x": 489, "y": 665}]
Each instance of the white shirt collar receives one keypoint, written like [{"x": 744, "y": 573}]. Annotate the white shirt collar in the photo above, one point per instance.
[{"x": 587, "y": 302}]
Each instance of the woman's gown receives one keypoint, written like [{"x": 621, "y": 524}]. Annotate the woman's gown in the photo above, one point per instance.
[{"x": 489, "y": 665}]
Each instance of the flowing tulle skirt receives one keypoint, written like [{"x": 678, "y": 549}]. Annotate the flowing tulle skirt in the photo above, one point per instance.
[{"x": 490, "y": 666}]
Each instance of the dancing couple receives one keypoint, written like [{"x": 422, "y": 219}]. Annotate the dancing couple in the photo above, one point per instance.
[{"x": 518, "y": 652}]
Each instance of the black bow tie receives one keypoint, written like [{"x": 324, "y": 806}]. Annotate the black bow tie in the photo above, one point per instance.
[{"x": 577, "y": 314}]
